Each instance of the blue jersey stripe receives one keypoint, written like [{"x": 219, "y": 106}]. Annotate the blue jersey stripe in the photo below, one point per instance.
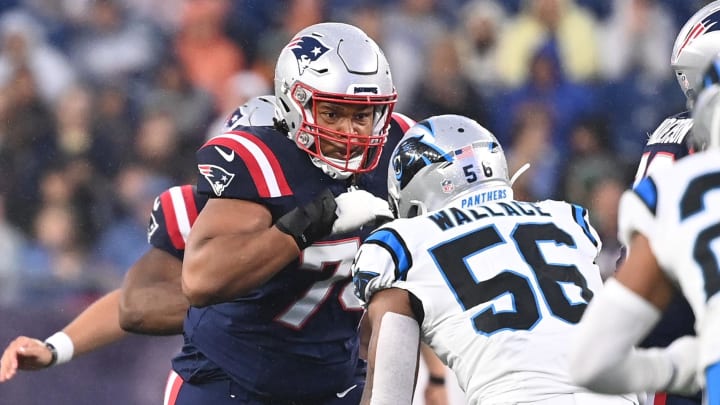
[
  {"x": 393, "y": 243},
  {"x": 647, "y": 191},
  {"x": 579, "y": 216}
]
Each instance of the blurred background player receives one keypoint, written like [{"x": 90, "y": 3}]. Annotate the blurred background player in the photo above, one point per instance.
[
  {"x": 696, "y": 44},
  {"x": 494, "y": 286},
  {"x": 670, "y": 222},
  {"x": 267, "y": 265},
  {"x": 151, "y": 300}
]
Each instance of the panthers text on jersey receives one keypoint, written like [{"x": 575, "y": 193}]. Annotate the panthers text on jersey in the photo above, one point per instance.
[
  {"x": 500, "y": 287},
  {"x": 675, "y": 209},
  {"x": 296, "y": 335}
]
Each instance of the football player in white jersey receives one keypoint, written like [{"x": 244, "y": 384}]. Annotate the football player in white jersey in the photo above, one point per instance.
[
  {"x": 495, "y": 286},
  {"x": 696, "y": 44},
  {"x": 671, "y": 222}
]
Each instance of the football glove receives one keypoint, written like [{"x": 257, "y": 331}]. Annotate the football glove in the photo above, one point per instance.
[
  {"x": 356, "y": 208},
  {"x": 311, "y": 222},
  {"x": 683, "y": 353}
]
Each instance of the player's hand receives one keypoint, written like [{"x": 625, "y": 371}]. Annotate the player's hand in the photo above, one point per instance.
[
  {"x": 436, "y": 394},
  {"x": 356, "y": 208},
  {"x": 684, "y": 353},
  {"x": 311, "y": 222},
  {"x": 23, "y": 353}
]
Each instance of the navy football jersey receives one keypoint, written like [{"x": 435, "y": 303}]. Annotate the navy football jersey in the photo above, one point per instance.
[
  {"x": 665, "y": 145},
  {"x": 174, "y": 212},
  {"x": 296, "y": 335},
  {"x": 668, "y": 143}
]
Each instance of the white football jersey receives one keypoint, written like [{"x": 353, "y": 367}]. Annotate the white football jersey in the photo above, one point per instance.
[
  {"x": 501, "y": 286},
  {"x": 678, "y": 210}
]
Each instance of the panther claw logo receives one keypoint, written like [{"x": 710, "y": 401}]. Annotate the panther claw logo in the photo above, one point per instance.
[{"x": 307, "y": 50}]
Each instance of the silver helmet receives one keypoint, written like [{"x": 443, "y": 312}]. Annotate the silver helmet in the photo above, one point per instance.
[
  {"x": 336, "y": 63},
  {"x": 696, "y": 44},
  {"x": 258, "y": 111},
  {"x": 445, "y": 158},
  {"x": 706, "y": 112}
]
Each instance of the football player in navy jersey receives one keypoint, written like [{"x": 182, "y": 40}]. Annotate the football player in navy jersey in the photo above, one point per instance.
[
  {"x": 150, "y": 301},
  {"x": 273, "y": 317},
  {"x": 696, "y": 44}
]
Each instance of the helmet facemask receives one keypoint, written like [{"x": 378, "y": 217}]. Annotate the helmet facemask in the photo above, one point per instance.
[{"x": 361, "y": 151}]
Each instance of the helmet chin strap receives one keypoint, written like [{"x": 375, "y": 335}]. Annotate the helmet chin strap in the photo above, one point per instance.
[{"x": 331, "y": 171}]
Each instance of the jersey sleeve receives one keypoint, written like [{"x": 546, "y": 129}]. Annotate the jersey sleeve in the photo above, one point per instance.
[
  {"x": 382, "y": 260},
  {"x": 239, "y": 165},
  {"x": 581, "y": 217},
  {"x": 174, "y": 212},
  {"x": 637, "y": 211}
]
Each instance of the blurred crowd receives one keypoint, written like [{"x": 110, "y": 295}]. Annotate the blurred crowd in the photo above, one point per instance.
[{"x": 103, "y": 103}]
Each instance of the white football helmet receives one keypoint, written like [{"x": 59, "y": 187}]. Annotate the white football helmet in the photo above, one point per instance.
[
  {"x": 706, "y": 112},
  {"x": 444, "y": 158},
  {"x": 258, "y": 111},
  {"x": 336, "y": 63},
  {"x": 696, "y": 44}
]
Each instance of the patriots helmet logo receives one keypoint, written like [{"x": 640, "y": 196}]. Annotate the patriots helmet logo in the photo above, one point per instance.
[
  {"x": 152, "y": 227},
  {"x": 217, "y": 177},
  {"x": 307, "y": 50}
]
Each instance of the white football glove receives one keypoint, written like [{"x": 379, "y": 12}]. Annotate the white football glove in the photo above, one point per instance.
[
  {"x": 683, "y": 353},
  {"x": 356, "y": 208}
]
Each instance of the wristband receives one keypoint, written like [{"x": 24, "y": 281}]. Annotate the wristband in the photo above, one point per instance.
[
  {"x": 436, "y": 380},
  {"x": 61, "y": 347}
]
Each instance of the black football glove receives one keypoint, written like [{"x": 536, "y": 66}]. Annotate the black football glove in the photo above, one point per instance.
[{"x": 311, "y": 222}]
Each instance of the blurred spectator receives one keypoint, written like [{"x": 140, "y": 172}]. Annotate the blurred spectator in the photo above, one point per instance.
[
  {"x": 113, "y": 120},
  {"x": 566, "y": 101},
  {"x": 541, "y": 21},
  {"x": 164, "y": 14},
  {"x": 11, "y": 246},
  {"x": 591, "y": 160},
  {"x": 124, "y": 240},
  {"x": 638, "y": 36},
  {"x": 55, "y": 267},
  {"x": 477, "y": 38},
  {"x": 24, "y": 46},
  {"x": 603, "y": 209},
  {"x": 203, "y": 48},
  {"x": 111, "y": 44},
  {"x": 531, "y": 143},
  {"x": 171, "y": 92},
  {"x": 27, "y": 146},
  {"x": 409, "y": 29},
  {"x": 444, "y": 89},
  {"x": 158, "y": 148},
  {"x": 77, "y": 136}
]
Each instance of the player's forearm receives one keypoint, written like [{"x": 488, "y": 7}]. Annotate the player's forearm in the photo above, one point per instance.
[
  {"x": 98, "y": 325},
  {"x": 229, "y": 266},
  {"x": 603, "y": 357},
  {"x": 157, "y": 309}
]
